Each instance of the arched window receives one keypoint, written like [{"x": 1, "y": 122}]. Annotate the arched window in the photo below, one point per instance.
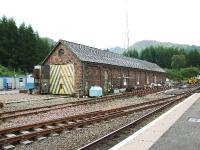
[{"x": 61, "y": 52}]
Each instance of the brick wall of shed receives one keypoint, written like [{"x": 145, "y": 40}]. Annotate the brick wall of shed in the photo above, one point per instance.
[
  {"x": 147, "y": 78},
  {"x": 158, "y": 77},
  {"x": 116, "y": 80},
  {"x": 164, "y": 77},
  {"x": 151, "y": 77},
  {"x": 95, "y": 75},
  {"x": 161, "y": 78},
  {"x": 124, "y": 77},
  {"x": 132, "y": 78},
  {"x": 68, "y": 57},
  {"x": 92, "y": 76},
  {"x": 142, "y": 78},
  {"x": 138, "y": 77}
]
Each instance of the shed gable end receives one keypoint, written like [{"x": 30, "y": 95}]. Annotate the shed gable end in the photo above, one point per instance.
[{"x": 61, "y": 55}]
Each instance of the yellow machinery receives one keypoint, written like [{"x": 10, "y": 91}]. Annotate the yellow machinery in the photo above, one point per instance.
[{"x": 192, "y": 80}]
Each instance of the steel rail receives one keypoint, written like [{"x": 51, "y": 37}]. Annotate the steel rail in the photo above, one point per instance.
[
  {"x": 36, "y": 110},
  {"x": 71, "y": 118},
  {"x": 76, "y": 123},
  {"x": 71, "y": 126},
  {"x": 109, "y": 137}
]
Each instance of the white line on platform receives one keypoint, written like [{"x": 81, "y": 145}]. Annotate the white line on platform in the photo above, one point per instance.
[{"x": 193, "y": 97}]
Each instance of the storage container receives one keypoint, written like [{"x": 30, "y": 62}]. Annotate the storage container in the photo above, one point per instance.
[
  {"x": 95, "y": 91},
  {"x": 29, "y": 82}
]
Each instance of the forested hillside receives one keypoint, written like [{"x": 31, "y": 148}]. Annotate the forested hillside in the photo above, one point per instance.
[
  {"x": 147, "y": 43},
  {"x": 20, "y": 47},
  {"x": 167, "y": 57},
  {"x": 172, "y": 59}
]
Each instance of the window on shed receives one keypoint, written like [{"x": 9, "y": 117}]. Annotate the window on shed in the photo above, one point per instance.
[
  {"x": 138, "y": 79},
  {"x": 61, "y": 52},
  {"x": 155, "y": 79},
  {"x": 147, "y": 79},
  {"x": 124, "y": 81}
]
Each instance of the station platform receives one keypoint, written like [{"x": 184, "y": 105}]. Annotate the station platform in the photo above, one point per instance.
[{"x": 177, "y": 129}]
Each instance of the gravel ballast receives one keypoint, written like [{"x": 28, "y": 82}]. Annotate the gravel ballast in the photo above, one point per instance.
[
  {"x": 70, "y": 111},
  {"x": 76, "y": 138}
]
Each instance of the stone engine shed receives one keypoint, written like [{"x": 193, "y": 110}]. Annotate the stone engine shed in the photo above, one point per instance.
[{"x": 72, "y": 68}]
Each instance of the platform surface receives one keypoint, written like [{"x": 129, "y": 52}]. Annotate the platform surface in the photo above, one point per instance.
[{"x": 177, "y": 129}]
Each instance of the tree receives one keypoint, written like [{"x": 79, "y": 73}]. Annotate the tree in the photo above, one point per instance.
[
  {"x": 131, "y": 53},
  {"x": 20, "y": 47},
  {"x": 190, "y": 72},
  {"x": 8, "y": 32},
  {"x": 135, "y": 54},
  {"x": 193, "y": 58},
  {"x": 178, "y": 61},
  {"x": 159, "y": 55},
  {"x": 174, "y": 74}
]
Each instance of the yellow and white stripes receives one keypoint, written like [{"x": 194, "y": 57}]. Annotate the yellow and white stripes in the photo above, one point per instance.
[{"x": 62, "y": 79}]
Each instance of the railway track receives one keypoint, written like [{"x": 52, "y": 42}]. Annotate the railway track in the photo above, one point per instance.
[
  {"x": 114, "y": 137},
  {"x": 28, "y": 133},
  {"x": 43, "y": 109}
]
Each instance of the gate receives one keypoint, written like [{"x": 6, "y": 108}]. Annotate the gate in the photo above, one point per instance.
[{"x": 62, "y": 79}]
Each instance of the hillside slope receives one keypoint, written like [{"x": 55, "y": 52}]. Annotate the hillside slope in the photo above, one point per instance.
[{"x": 147, "y": 43}]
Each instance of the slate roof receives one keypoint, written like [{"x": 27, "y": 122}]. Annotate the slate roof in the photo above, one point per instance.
[{"x": 91, "y": 54}]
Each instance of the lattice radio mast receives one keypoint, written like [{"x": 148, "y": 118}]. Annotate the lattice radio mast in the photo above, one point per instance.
[{"x": 127, "y": 27}]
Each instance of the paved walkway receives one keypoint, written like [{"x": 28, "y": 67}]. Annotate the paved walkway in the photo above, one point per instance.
[{"x": 177, "y": 129}]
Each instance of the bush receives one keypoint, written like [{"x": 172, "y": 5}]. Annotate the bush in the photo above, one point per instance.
[
  {"x": 184, "y": 73},
  {"x": 190, "y": 72},
  {"x": 9, "y": 71},
  {"x": 174, "y": 74}
]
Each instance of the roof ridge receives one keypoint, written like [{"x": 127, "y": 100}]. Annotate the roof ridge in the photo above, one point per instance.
[
  {"x": 101, "y": 50},
  {"x": 92, "y": 54},
  {"x": 80, "y": 44}
]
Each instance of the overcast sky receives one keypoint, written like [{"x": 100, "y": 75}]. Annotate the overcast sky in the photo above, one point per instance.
[{"x": 102, "y": 23}]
